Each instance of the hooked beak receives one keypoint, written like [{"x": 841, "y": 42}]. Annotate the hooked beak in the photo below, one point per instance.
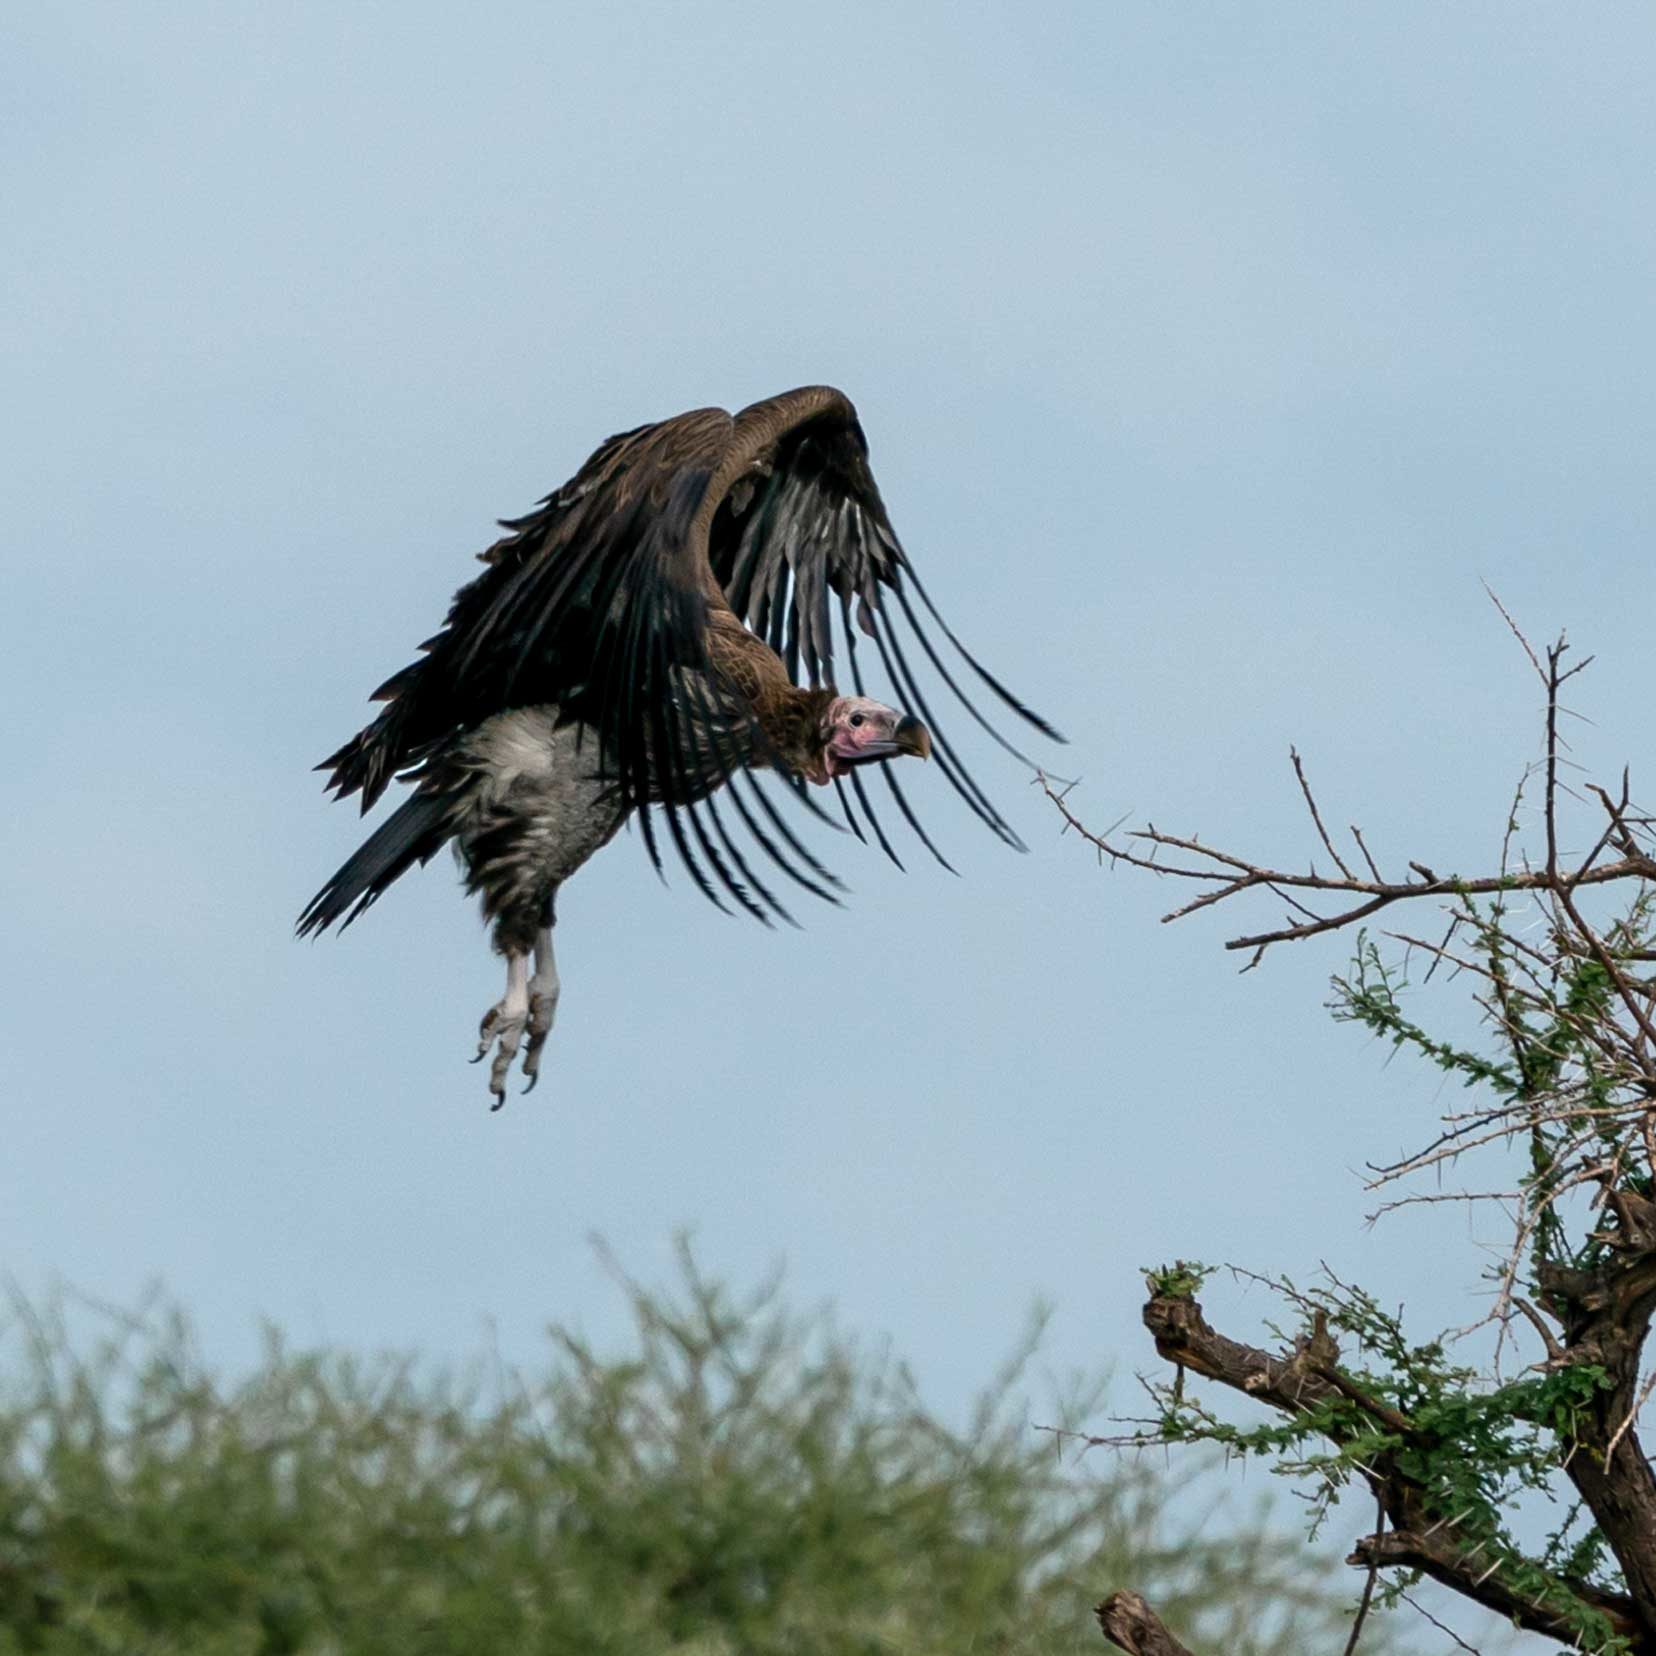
[{"x": 911, "y": 736}]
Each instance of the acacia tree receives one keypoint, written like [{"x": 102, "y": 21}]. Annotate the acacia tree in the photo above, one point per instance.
[{"x": 1558, "y": 1116}]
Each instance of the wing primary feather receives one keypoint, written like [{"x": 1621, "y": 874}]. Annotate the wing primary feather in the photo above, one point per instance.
[
  {"x": 737, "y": 890},
  {"x": 798, "y": 846},
  {"x": 720, "y": 867},
  {"x": 949, "y": 679},
  {"x": 765, "y": 896},
  {"x": 747, "y": 565},
  {"x": 770, "y": 848},
  {"x": 874, "y": 821},
  {"x": 667, "y": 759},
  {"x": 952, "y": 766},
  {"x": 779, "y": 612},
  {"x": 503, "y": 604},
  {"x": 914, "y": 821},
  {"x": 856, "y": 779},
  {"x": 723, "y": 761},
  {"x": 703, "y": 884},
  {"x": 891, "y": 653},
  {"x": 797, "y": 788},
  {"x": 814, "y": 603},
  {"x": 1023, "y": 712},
  {"x": 692, "y": 784},
  {"x": 550, "y": 611},
  {"x": 962, "y": 781},
  {"x": 850, "y": 815},
  {"x": 692, "y": 814},
  {"x": 730, "y": 764},
  {"x": 647, "y": 826},
  {"x": 790, "y": 648}
]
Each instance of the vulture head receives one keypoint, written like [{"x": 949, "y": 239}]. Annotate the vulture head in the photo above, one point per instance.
[{"x": 857, "y": 731}]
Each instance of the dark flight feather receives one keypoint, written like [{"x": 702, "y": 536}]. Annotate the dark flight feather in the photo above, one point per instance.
[
  {"x": 605, "y": 602},
  {"x": 809, "y": 524}
]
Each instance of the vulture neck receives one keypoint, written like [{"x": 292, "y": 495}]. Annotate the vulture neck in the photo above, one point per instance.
[{"x": 790, "y": 720}]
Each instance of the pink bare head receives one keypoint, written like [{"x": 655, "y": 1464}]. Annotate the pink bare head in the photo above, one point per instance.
[{"x": 858, "y": 731}]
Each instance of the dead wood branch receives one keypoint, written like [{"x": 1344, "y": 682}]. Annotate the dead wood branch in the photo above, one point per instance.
[{"x": 1131, "y": 1625}]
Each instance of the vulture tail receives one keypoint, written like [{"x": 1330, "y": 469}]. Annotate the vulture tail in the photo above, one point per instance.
[{"x": 415, "y": 832}]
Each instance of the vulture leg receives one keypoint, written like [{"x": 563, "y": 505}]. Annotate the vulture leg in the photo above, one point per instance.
[
  {"x": 537, "y": 812},
  {"x": 543, "y": 1001},
  {"x": 503, "y": 1025}
]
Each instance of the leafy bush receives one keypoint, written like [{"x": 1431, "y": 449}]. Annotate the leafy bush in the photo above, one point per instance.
[{"x": 741, "y": 1479}]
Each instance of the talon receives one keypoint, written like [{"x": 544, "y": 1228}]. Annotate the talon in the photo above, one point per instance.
[
  {"x": 543, "y": 1011},
  {"x": 525, "y": 1009}
]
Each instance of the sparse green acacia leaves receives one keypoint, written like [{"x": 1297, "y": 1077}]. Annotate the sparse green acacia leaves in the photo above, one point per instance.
[
  {"x": 1180, "y": 1280},
  {"x": 732, "y": 1480},
  {"x": 1556, "y": 949}
]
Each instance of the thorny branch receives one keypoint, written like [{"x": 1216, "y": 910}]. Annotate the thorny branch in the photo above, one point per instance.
[
  {"x": 1230, "y": 875},
  {"x": 1233, "y": 875},
  {"x": 1563, "y": 981}
]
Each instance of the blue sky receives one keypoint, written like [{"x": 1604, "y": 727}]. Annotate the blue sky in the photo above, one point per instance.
[{"x": 1210, "y": 359}]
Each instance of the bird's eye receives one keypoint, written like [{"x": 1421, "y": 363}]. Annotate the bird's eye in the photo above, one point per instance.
[{"x": 856, "y": 719}]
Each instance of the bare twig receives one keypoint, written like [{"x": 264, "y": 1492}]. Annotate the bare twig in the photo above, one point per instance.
[
  {"x": 1448, "y": 1632},
  {"x": 1517, "y": 632},
  {"x": 1316, "y": 817},
  {"x": 1368, "y": 1586},
  {"x": 1632, "y": 1415},
  {"x": 1356, "y": 834}
]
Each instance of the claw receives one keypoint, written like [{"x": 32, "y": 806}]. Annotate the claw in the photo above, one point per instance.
[
  {"x": 543, "y": 1009},
  {"x": 529, "y": 1006},
  {"x": 487, "y": 1027},
  {"x": 502, "y": 1027}
]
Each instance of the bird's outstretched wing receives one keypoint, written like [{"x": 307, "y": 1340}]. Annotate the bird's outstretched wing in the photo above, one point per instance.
[
  {"x": 803, "y": 549},
  {"x": 598, "y": 601},
  {"x": 604, "y": 599}
]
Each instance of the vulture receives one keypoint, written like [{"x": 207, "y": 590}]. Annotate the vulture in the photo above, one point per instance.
[{"x": 656, "y": 635}]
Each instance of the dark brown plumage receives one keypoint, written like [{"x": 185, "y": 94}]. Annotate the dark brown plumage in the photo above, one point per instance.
[{"x": 664, "y": 624}]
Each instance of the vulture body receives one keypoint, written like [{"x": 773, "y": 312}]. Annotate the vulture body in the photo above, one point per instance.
[{"x": 635, "y": 646}]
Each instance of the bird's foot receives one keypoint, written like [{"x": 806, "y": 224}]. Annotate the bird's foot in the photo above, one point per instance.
[
  {"x": 543, "y": 1009},
  {"x": 503, "y": 1026},
  {"x": 530, "y": 1005}
]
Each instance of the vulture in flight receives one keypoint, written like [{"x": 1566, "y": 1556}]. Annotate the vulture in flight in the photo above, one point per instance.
[{"x": 659, "y": 631}]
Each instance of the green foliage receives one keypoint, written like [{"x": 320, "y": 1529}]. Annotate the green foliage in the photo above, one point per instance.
[
  {"x": 1566, "y": 1082},
  {"x": 738, "y": 1479},
  {"x": 1473, "y": 1451},
  {"x": 1182, "y": 1279},
  {"x": 1371, "y": 996}
]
